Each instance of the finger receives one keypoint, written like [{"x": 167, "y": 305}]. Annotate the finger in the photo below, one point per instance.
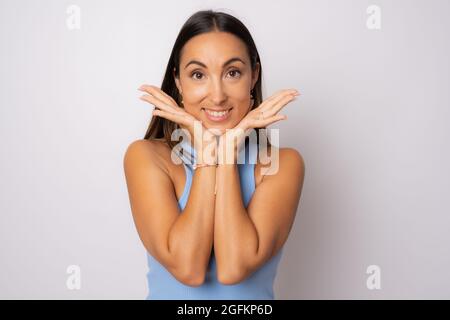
[
  {"x": 158, "y": 93},
  {"x": 170, "y": 116},
  {"x": 274, "y": 119},
  {"x": 270, "y": 103},
  {"x": 159, "y": 104},
  {"x": 275, "y": 108},
  {"x": 280, "y": 93},
  {"x": 164, "y": 101},
  {"x": 156, "y": 102}
]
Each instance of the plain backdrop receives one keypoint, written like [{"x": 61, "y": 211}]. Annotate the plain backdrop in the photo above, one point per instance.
[{"x": 371, "y": 124}]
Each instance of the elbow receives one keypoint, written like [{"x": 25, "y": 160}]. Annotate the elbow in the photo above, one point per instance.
[
  {"x": 192, "y": 279},
  {"x": 230, "y": 278},
  {"x": 186, "y": 272}
]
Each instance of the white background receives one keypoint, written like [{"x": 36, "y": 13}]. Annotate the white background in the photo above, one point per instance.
[{"x": 372, "y": 126}]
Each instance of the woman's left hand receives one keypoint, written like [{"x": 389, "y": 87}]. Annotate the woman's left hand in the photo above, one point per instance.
[{"x": 265, "y": 114}]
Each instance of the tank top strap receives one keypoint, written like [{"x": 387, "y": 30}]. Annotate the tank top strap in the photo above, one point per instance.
[{"x": 186, "y": 153}]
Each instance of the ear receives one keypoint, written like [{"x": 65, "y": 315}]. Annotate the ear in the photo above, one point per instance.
[
  {"x": 177, "y": 81},
  {"x": 255, "y": 74}
]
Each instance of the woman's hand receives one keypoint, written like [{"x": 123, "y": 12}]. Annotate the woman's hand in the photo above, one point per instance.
[
  {"x": 166, "y": 107},
  {"x": 265, "y": 114}
]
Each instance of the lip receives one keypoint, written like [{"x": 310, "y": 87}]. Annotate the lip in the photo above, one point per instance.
[{"x": 217, "y": 119}]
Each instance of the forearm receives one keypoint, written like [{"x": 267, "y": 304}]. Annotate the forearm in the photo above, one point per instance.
[
  {"x": 235, "y": 236},
  {"x": 191, "y": 235}
]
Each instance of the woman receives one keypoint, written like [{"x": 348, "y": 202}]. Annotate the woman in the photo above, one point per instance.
[{"x": 212, "y": 229}]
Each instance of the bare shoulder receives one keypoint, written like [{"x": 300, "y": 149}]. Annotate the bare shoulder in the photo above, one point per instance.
[
  {"x": 292, "y": 159},
  {"x": 290, "y": 163},
  {"x": 146, "y": 151},
  {"x": 138, "y": 147},
  {"x": 145, "y": 145},
  {"x": 279, "y": 162}
]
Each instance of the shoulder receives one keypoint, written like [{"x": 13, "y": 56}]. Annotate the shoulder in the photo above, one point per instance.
[
  {"x": 292, "y": 159},
  {"x": 282, "y": 162},
  {"x": 144, "y": 151}
]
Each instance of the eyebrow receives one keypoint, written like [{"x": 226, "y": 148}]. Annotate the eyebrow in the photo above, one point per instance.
[{"x": 204, "y": 66}]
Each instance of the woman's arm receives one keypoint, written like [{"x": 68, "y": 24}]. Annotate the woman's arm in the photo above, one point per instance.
[
  {"x": 182, "y": 242},
  {"x": 244, "y": 239},
  {"x": 191, "y": 235}
]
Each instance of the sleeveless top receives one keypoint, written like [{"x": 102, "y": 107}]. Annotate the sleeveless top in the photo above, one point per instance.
[{"x": 162, "y": 285}]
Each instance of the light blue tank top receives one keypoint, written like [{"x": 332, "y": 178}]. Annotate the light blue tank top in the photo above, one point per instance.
[{"x": 258, "y": 286}]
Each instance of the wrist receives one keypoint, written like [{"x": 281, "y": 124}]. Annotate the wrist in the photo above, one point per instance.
[
  {"x": 204, "y": 165},
  {"x": 228, "y": 151},
  {"x": 207, "y": 157}
]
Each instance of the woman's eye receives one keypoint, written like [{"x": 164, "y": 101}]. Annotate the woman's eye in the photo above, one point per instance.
[
  {"x": 198, "y": 75},
  {"x": 194, "y": 73},
  {"x": 235, "y": 71}
]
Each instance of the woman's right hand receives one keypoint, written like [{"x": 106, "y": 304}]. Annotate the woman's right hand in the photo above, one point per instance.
[{"x": 166, "y": 107}]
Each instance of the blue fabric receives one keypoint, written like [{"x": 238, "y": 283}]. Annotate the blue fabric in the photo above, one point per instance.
[{"x": 259, "y": 285}]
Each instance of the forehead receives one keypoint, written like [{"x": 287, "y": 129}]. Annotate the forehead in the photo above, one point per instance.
[{"x": 213, "y": 48}]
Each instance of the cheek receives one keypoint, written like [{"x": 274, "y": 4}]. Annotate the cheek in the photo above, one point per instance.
[
  {"x": 242, "y": 93},
  {"x": 192, "y": 98},
  {"x": 241, "y": 100},
  {"x": 194, "y": 93}
]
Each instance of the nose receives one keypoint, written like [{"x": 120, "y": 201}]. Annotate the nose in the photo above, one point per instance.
[{"x": 217, "y": 93}]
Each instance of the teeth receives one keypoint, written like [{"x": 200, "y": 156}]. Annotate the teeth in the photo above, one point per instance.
[{"x": 217, "y": 114}]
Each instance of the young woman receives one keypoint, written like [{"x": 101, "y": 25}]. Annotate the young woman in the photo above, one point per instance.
[{"x": 212, "y": 229}]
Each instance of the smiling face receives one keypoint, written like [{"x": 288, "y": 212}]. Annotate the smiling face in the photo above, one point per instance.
[{"x": 216, "y": 78}]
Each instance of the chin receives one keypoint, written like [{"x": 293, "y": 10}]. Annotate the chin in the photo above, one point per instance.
[{"x": 212, "y": 127}]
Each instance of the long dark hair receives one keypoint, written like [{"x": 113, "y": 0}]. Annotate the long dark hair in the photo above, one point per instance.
[{"x": 202, "y": 22}]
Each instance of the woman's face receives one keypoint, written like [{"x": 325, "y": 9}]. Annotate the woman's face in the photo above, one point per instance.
[{"x": 216, "y": 79}]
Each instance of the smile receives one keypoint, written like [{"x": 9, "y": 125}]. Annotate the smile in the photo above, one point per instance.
[{"x": 217, "y": 115}]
